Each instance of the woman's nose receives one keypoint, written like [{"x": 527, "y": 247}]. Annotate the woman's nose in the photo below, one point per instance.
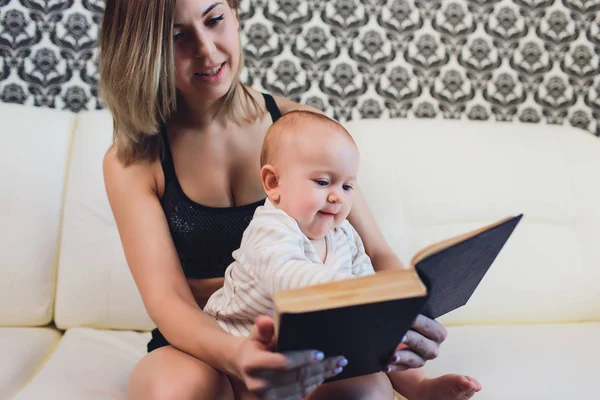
[{"x": 204, "y": 44}]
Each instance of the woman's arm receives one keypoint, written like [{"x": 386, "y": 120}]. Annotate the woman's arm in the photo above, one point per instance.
[
  {"x": 153, "y": 261},
  {"x": 361, "y": 218},
  {"x": 154, "y": 264}
]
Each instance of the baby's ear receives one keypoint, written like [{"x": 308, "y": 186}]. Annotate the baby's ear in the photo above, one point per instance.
[{"x": 270, "y": 181}]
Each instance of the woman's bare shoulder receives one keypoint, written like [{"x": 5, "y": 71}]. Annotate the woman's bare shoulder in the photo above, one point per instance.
[{"x": 134, "y": 176}]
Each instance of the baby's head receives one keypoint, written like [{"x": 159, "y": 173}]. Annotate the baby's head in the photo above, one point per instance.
[{"x": 309, "y": 166}]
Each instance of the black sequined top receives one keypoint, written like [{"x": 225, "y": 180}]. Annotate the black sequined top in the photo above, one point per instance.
[{"x": 204, "y": 237}]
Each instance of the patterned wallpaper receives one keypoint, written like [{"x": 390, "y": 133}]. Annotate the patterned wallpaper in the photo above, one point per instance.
[{"x": 502, "y": 60}]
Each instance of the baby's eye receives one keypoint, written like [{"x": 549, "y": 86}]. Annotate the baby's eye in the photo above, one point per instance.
[
  {"x": 321, "y": 182},
  {"x": 347, "y": 188}
]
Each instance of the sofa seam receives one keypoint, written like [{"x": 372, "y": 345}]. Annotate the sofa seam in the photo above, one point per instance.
[{"x": 75, "y": 125}]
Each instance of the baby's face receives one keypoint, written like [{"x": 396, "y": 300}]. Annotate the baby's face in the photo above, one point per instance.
[{"x": 316, "y": 181}]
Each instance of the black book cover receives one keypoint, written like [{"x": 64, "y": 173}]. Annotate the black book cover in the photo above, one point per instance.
[
  {"x": 453, "y": 274},
  {"x": 368, "y": 334}
]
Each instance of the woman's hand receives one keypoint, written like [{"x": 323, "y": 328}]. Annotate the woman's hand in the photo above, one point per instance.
[
  {"x": 421, "y": 343},
  {"x": 272, "y": 375}
]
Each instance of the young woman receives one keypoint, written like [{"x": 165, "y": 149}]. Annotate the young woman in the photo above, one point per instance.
[{"x": 183, "y": 181}]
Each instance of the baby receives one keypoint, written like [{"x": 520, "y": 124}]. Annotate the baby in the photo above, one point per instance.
[{"x": 301, "y": 237}]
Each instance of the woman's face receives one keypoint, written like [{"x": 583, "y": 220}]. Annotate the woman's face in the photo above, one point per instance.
[{"x": 206, "y": 47}]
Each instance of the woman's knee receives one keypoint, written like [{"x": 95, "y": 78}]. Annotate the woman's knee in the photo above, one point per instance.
[
  {"x": 375, "y": 387},
  {"x": 368, "y": 387},
  {"x": 381, "y": 388},
  {"x": 169, "y": 374}
]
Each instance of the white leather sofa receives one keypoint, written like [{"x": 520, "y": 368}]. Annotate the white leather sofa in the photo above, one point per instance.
[{"x": 72, "y": 324}]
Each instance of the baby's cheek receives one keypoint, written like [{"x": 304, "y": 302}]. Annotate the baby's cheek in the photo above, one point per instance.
[
  {"x": 344, "y": 211},
  {"x": 298, "y": 206},
  {"x": 304, "y": 201},
  {"x": 307, "y": 208},
  {"x": 316, "y": 204}
]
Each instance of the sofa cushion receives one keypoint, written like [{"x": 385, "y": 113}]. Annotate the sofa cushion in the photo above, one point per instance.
[
  {"x": 429, "y": 180},
  {"x": 95, "y": 287},
  {"x": 33, "y": 158},
  {"x": 88, "y": 364},
  {"x": 520, "y": 362},
  {"x": 524, "y": 362},
  {"x": 23, "y": 352}
]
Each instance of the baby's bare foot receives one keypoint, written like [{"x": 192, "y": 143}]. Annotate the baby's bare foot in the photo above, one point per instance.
[{"x": 448, "y": 387}]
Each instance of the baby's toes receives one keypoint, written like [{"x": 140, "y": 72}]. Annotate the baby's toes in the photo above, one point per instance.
[{"x": 474, "y": 383}]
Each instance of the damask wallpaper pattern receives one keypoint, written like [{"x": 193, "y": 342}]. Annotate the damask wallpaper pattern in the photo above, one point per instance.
[{"x": 502, "y": 60}]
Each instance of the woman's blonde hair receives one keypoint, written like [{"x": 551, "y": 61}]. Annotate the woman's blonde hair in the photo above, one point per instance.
[{"x": 137, "y": 76}]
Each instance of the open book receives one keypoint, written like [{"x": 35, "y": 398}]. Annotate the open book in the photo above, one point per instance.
[{"x": 364, "y": 319}]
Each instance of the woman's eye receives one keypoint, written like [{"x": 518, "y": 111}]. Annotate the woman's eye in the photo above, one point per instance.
[
  {"x": 321, "y": 182},
  {"x": 177, "y": 36},
  {"x": 214, "y": 21}
]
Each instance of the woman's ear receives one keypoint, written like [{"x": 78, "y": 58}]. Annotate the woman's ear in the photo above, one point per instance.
[{"x": 270, "y": 180}]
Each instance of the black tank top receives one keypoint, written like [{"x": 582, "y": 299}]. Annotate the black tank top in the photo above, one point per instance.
[{"x": 204, "y": 237}]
